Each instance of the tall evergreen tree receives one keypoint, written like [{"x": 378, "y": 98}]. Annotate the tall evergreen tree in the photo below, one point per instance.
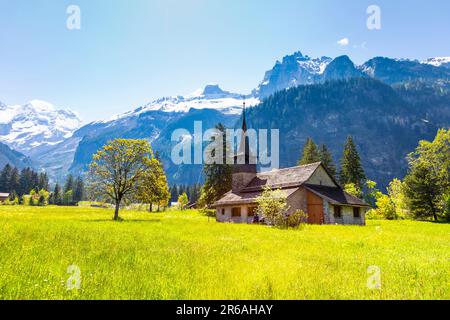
[
  {"x": 43, "y": 181},
  {"x": 174, "y": 193},
  {"x": 57, "y": 195},
  {"x": 310, "y": 153},
  {"x": 78, "y": 191},
  {"x": 327, "y": 160},
  {"x": 24, "y": 181},
  {"x": 423, "y": 192},
  {"x": 14, "y": 182},
  {"x": 70, "y": 184},
  {"x": 5, "y": 178},
  {"x": 351, "y": 167},
  {"x": 34, "y": 181},
  {"x": 218, "y": 176}
]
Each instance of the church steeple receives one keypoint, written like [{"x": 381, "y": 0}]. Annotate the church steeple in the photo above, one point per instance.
[
  {"x": 244, "y": 122},
  {"x": 244, "y": 169},
  {"x": 244, "y": 146}
]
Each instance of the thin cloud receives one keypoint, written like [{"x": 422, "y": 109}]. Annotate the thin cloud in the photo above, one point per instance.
[
  {"x": 360, "y": 46},
  {"x": 343, "y": 42}
]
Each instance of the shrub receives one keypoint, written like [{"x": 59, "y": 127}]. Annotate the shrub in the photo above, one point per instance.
[
  {"x": 25, "y": 200},
  {"x": 183, "y": 201},
  {"x": 353, "y": 189},
  {"x": 297, "y": 219},
  {"x": 272, "y": 206},
  {"x": 374, "y": 214}
]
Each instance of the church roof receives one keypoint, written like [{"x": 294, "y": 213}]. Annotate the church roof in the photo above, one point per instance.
[
  {"x": 289, "y": 180},
  {"x": 237, "y": 198},
  {"x": 336, "y": 195},
  {"x": 282, "y": 178}
]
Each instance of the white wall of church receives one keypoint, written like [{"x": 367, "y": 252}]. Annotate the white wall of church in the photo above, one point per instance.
[{"x": 321, "y": 178}]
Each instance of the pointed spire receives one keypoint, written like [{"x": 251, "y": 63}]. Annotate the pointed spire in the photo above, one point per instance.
[{"x": 244, "y": 121}]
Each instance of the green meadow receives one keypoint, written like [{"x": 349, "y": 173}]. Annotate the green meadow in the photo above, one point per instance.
[{"x": 184, "y": 255}]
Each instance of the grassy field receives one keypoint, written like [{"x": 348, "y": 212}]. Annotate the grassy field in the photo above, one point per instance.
[{"x": 184, "y": 256}]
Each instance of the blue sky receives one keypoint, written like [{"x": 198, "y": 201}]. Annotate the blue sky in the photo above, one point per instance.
[{"x": 130, "y": 52}]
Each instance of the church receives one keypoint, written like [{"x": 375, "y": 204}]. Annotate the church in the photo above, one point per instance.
[{"x": 309, "y": 188}]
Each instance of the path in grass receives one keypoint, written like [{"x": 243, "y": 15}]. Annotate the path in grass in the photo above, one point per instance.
[{"x": 184, "y": 256}]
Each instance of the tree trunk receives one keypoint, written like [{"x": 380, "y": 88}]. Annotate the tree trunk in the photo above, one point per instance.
[
  {"x": 116, "y": 212},
  {"x": 151, "y": 207}
]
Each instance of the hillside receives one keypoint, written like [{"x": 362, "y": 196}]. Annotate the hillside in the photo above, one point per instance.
[
  {"x": 387, "y": 123},
  {"x": 14, "y": 158},
  {"x": 410, "y": 102}
]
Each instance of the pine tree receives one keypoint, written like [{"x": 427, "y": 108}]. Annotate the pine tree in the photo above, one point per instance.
[
  {"x": 310, "y": 153},
  {"x": 34, "y": 181},
  {"x": 327, "y": 160},
  {"x": 351, "y": 168},
  {"x": 78, "y": 191},
  {"x": 422, "y": 188},
  {"x": 428, "y": 181},
  {"x": 25, "y": 181},
  {"x": 14, "y": 182},
  {"x": 69, "y": 185},
  {"x": 174, "y": 193},
  {"x": 218, "y": 176},
  {"x": 57, "y": 195},
  {"x": 5, "y": 178},
  {"x": 43, "y": 182}
]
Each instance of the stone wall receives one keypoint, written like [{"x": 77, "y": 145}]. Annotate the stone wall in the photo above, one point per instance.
[
  {"x": 297, "y": 201},
  {"x": 347, "y": 217},
  {"x": 228, "y": 214}
]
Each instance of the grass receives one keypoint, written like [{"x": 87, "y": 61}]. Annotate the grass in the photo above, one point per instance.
[{"x": 184, "y": 256}]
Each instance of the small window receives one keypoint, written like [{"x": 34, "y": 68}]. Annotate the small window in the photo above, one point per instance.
[
  {"x": 223, "y": 212},
  {"x": 236, "y": 212},
  {"x": 356, "y": 213},
  {"x": 337, "y": 212},
  {"x": 251, "y": 211}
]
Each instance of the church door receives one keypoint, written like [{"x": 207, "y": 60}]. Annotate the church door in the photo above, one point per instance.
[{"x": 315, "y": 208}]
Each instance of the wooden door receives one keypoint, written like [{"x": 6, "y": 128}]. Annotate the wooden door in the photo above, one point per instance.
[{"x": 315, "y": 208}]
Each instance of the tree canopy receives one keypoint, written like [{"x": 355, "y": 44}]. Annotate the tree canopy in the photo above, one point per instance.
[
  {"x": 218, "y": 176},
  {"x": 428, "y": 181},
  {"x": 119, "y": 169},
  {"x": 310, "y": 153}
]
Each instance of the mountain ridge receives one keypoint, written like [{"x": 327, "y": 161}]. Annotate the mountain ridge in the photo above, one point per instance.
[{"x": 212, "y": 104}]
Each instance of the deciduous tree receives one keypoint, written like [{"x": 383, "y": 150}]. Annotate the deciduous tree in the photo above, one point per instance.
[{"x": 117, "y": 170}]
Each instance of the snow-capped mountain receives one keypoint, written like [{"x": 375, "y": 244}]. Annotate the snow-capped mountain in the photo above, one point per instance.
[
  {"x": 35, "y": 126},
  {"x": 292, "y": 71},
  {"x": 210, "y": 97},
  {"x": 56, "y": 142},
  {"x": 438, "y": 62}
]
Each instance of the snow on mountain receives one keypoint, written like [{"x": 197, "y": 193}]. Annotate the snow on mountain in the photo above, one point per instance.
[
  {"x": 211, "y": 97},
  {"x": 438, "y": 62},
  {"x": 292, "y": 71},
  {"x": 35, "y": 125}
]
